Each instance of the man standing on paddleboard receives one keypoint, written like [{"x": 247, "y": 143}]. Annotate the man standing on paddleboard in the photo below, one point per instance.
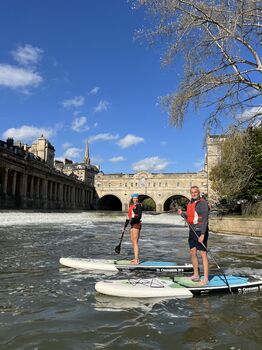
[
  {"x": 196, "y": 216},
  {"x": 134, "y": 217}
]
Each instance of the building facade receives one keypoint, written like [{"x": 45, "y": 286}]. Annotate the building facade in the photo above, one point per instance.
[
  {"x": 164, "y": 189},
  {"x": 29, "y": 178},
  {"x": 29, "y": 181}
]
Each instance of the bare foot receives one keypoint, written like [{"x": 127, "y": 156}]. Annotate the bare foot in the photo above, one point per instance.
[
  {"x": 194, "y": 278},
  {"x": 134, "y": 262},
  {"x": 203, "y": 282}
]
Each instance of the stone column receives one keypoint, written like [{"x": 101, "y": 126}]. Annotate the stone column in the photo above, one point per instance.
[
  {"x": 5, "y": 181},
  {"x": 55, "y": 191},
  {"x": 50, "y": 190},
  {"x": 44, "y": 189},
  {"x": 24, "y": 185},
  {"x": 60, "y": 192},
  {"x": 37, "y": 188},
  {"x": 14, "y": 184},
  {"x": 32, "y": 187},
  {"x": 73, "y": 197},
  {"x": 83, "y": 197}
]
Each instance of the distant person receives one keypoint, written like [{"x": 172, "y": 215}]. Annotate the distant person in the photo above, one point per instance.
[
  {"x": 197, "y": 216},
  {"x": 134, "y": 217}
]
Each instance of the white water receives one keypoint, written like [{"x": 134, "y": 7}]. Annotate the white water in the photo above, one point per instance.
[{"x": 14, "y": 218}]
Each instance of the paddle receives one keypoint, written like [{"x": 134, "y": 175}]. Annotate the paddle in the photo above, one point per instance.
[
  {"x": 208, "y": 251},
  {"x": 118, "y": 247}
]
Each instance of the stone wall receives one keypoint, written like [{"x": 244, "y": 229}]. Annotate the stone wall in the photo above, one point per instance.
[{"x": 238, "y": 226}]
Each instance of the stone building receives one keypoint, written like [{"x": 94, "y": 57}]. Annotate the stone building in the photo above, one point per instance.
[
  {"x": 213, "y": 154},
  {"x": 43, "y": 149},
  {"x": 114, "y": 190},
  {"x": 164, "y": 189},
  {"x": 83, "y": 171},
  {"x": 28, "y": 179}
]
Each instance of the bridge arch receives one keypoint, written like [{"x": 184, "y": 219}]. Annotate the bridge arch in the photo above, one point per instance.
[
  {"x": 109, "y": 202},
  {"x": 147, "y": 202},
  {"x": 175, "y": 201}
]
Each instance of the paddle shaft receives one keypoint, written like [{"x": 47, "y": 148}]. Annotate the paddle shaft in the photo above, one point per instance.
[
  {"x": 118, "y": 247},
  {"x": 208, "y": 251}
]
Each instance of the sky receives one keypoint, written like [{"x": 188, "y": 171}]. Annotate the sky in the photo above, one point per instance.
[{"x": 72, "y": 71}]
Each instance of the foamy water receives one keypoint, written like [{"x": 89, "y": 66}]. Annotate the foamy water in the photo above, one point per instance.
[{"x": 10, "y": 218}]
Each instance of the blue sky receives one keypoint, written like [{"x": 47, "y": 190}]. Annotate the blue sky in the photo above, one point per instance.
[{"x": 73, "y": 71}]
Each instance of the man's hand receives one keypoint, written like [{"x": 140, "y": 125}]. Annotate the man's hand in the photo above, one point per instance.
[
  {"x": 179, "y": 211},
  {"x": 201, "y": 238}
]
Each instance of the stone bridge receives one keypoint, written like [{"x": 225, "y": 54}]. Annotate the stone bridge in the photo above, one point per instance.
[{"x": 114, "y": 190}]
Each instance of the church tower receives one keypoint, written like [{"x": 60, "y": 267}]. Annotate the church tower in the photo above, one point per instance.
[{"x": 87, "y": 158}]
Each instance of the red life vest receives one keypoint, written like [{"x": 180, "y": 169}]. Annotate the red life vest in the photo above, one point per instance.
[
  {"x": 131, "y": 213},
  {"x": 192, "y": 216}
]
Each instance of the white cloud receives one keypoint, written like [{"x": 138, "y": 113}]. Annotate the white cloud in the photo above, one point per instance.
[
  {"x": 95, "y": 90},
  {"x": 79, "y": 124},
  {"x": 28, "y": 133},
  {"x": 75, "y": 113},
  {"x": 102, "y": 106},
  {"x": 163, "y": 143},
  {"x": 27, "y": 55},
  {"x": 66, "y": 145},
  {"x": 97, "y": 160},
  {"x": 151, "y": 164},
  {"x": 253, "y": 114},
  {"x": 116, "y": 159},
  {"x": 76, "y": 101},
  {"x": 16, "y": 77},
  {"x": 95, "y": 125},
  {"x": 130, "y": 140},
  {"x": 102, "y": 137},
  {"x": 73, "y": 153}
]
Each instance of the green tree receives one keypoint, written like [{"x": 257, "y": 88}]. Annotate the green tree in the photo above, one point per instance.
[
  {"x": 219, "y": 42},
  {"x": 238, "y": 174},
  {"x": 149, "y": 204}
]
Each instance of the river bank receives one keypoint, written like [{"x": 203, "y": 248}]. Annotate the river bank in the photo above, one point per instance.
[{"x": 236, "y": 226}]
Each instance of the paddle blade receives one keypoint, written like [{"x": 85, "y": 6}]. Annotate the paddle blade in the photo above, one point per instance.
[{"x": 117, "y": 249}]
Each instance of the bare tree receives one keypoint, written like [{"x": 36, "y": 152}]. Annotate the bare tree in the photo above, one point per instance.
[{"x": 220, "y": 43}]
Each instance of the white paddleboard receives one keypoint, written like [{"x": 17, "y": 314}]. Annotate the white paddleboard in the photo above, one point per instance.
[
  {"x": 89, "y": 264},
  {"x": 143, "y": 288},
  {"x": 121, "y": 265},
  {"x": 179, "y": 287}
]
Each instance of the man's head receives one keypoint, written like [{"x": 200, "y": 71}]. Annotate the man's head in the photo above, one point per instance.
[{"x": 194, "y": 191}]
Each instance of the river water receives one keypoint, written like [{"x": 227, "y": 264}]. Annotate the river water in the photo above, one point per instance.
[{"x": 46, "y": 306}]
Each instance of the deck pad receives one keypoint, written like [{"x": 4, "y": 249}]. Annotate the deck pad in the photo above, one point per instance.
[
  {"x": 214, "y": 281},
  {"x": 146, "y": 263}
]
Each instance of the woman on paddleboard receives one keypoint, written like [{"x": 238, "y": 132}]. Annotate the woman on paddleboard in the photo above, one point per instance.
[
  {"x": 134, "y": 216},
  {"x": 197, "y": 218}
]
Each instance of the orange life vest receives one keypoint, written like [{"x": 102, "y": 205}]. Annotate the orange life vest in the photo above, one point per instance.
[{"x": 192, "y": 216}]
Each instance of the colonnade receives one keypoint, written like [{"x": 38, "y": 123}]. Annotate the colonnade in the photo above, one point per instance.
[{"x": 39, "y": 190}]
